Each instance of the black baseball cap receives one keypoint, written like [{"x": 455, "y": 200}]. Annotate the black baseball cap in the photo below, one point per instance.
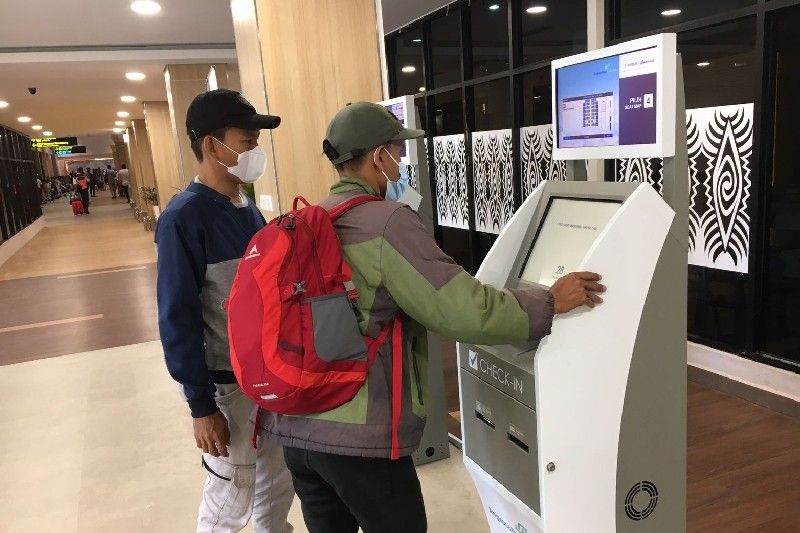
[{"x": 223, "y": 108}]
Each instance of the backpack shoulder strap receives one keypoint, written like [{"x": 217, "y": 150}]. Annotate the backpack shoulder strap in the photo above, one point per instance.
[{"x": 346, "y": 206}]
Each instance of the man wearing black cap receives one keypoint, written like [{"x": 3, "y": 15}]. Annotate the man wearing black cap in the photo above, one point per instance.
[{"x": 201, "y": 236}]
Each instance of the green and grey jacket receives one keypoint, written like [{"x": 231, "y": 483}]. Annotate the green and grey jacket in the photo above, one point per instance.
[{"x": 397, "y": 267}]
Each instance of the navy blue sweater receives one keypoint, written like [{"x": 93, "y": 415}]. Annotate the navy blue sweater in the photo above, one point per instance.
[{"x": 201, "y": 237}]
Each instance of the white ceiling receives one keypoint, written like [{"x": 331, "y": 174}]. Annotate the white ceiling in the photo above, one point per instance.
[
  {"x": 77, "y": 53},
  {"x": 399, "y": 13},
  {"x": 37, "y": 23}
]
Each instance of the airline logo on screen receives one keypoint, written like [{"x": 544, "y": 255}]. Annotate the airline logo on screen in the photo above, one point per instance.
[{"x": 497, "y": 373}]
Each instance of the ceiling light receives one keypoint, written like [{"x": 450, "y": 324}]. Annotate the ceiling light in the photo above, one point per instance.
[
  {"x": 671, "y": 12},
  {"x": 135, "y": 76},
  {"x": 47, "y": 133},
  {"x": 128, "y": 99},
  {"x": 536, "y": 10},
  {"x": 117, "y": 130},
  {"x": 736, "y": 64},
  {"x": 3, "y": 104},
  {"x": 123, "y": 114},
  {"x": 409, "y": 69},
  {"x": 494, "y": 7},
  {"x": 537, "y": 96},
  {"x": 119, "y": 123},
  {"x": 417, "y": 40},
  {"x": 145, "y": 7},
  {"x": 24, "y": 119},
  {"x": 421, "y": 89},
  {"x": 37, "y": 127},
  {"x": 703, "y": 64}
]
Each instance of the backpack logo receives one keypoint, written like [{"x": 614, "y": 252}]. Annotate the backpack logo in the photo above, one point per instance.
[{"x": 252, "y": 253}]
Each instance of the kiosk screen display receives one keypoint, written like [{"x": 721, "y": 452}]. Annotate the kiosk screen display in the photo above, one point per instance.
[
  {"x": 569, "y": 227},
  {"x": 609, "y": 101}
]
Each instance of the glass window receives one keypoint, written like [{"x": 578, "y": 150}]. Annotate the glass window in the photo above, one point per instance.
[
  {"x": 446, "y": 49},
  {"x": 408, "y": 64},
  {"x": 490, "y": 50},
  {"x": 492, "y": 105},
  {"x": 641, "y": 16},
  {"x": 718, "y": 67},
  {"x": 536, "y": 98},
  {"x": 719, "y": 63},
  {"x": 552, "y": 29},
  {"x": 780, "y": 327},
  {"x": 448, "y": 113}
]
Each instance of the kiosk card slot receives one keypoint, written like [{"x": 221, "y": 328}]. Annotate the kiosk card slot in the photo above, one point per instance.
[
  {"x": 484, "y": 419},
  {"x": 522, "y": 446}
]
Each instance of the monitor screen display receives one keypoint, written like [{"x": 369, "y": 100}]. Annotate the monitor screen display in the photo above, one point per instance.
[
  {"x": 568, "y": 229},
  {"x": 609, "y": 101}
]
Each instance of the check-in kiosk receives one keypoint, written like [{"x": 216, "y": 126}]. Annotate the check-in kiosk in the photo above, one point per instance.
[{"x": 585, "y": 431}]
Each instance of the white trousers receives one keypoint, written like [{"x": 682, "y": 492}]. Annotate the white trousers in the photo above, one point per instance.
[{"x": 249, "y": 482}]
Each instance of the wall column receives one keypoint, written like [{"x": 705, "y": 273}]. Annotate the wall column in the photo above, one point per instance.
[
  {"x": 595, "y": 38},
  {"x": 162, "y": 143},
  {"x": 303, "y": 61}
]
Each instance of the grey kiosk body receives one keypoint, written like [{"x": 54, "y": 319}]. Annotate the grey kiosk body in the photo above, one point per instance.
[{"x": 585, "y": 431}]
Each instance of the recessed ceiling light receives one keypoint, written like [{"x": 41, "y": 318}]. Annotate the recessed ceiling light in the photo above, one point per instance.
[
  {"x": 703, "y": 64},
  {"x": 409, "y": 69},
  {"x": 417, "y": 40},
  {"x": 135, "y": 76},
  {"x": 494, "y": 7},
  {"x": 536, "y": 10},
  {"x": 736, "y": 64},
  {"x": 37, "y": 127},
  {"x": 123, "y": 114},
  {"x": 119, "y": 123},
  {"x": 128, "y": 99},
  {"x": 145, "y": 7},
  {"x": 537, "y": 96},
  {"x": 47, "y": 133},
  {"x": 117, "y": 130},
  {"x": 3, "y": 104},
  {"x": 24, "y": 119},
  {"x": 671, "y": 12},
  {"x": 421, "y": 89}
]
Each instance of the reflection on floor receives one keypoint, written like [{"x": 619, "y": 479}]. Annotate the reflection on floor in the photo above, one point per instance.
[
  {"x": 108, "y": 238},
  {"x": 101, "y": 442}
]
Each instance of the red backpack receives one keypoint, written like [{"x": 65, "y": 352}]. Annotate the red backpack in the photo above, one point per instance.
[{"x": 295, "y": 344}]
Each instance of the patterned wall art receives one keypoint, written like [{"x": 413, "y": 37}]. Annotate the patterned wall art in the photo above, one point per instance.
[
  {"x": 537, "y": 158},
  {"x": 493, "y": 172},
  {"x": 452, "y": 201},
  {"x": 720, "y": 143}
]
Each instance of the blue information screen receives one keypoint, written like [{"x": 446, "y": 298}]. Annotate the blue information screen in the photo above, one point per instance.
[{"x": 609, "y": 101}]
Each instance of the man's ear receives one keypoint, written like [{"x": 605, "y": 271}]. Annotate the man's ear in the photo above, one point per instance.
[{"x": 210, "y": 147}]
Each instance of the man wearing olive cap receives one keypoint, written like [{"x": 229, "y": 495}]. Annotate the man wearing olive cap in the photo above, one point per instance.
[{"x": 340, "y": 459}]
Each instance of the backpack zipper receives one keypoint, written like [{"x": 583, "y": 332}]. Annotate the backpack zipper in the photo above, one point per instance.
[
  {"x": 415, "y": 364},
  {"x": 316, "y": 257}
]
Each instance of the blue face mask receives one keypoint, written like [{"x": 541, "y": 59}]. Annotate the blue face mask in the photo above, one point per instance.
[{"x": 401, "y": 190}]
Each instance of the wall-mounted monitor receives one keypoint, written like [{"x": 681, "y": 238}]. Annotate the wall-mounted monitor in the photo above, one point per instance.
[
  {"x": 403, "y": 108},
  {"x": 616, "y": 102}
]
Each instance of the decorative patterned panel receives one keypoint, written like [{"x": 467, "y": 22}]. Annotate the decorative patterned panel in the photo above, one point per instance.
[
  {"x": 642, "y": 170},
  {"x": 493, "y": 172},
  {"x": 537, "y": 158},
  {"x": 720, "y": 145},
  {"x": 720, "y": 148},
  {"x": 452, "y": 202}
]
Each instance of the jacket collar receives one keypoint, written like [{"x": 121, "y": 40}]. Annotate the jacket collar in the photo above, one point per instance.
[
  {"x": 208, "y": 192},
  {"x": 350, "y": 184}
]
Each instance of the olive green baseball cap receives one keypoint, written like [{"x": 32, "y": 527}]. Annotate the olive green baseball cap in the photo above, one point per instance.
[{"x": 359, "y": 126}]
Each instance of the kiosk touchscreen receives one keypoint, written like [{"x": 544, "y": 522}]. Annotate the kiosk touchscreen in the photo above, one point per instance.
[{"x": 585, "y": 430}]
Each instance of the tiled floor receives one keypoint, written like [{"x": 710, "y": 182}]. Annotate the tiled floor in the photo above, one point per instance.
[{"x": 101, "y": 442}]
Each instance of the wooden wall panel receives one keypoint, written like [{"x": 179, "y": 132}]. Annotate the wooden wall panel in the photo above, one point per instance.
[
  {"x": 317, "y": 56},
  {"x": 251, "y": 79},
  {"x": 162, "y": 143}
]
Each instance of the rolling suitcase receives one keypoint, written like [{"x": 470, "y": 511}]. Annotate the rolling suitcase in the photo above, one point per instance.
[{"x": 77, "y": 207}]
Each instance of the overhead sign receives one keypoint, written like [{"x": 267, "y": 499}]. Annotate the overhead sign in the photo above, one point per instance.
[
  {"x": 70, "y": 150},
  {"x": 54, "y": 142}
]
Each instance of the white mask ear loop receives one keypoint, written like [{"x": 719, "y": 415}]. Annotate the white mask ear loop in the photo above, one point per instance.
[{"x": 375, "y": 160}]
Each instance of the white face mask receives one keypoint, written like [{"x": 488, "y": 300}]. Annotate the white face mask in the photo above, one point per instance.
[
  {"x": 250, "y": 165},
  {"x": 400, "y": 190}
]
